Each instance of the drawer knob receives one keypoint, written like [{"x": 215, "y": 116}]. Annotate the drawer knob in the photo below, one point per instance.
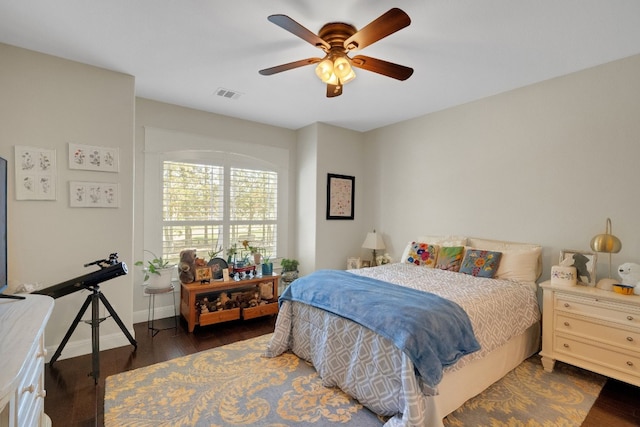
[
  {"x": 28, "y": 389},
  {"x": 565, "y": 345},
  {"x": 566, "y": 305},
  {"x": 566, "y": 323},
  {"x": 629, "y": 363},
  {"x": 629, "y": 339},
  {"x": 42, "y": 393},
  {"x": 629, "y": 317}
]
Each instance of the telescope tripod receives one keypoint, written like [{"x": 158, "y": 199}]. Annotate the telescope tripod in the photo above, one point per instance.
[{"x": 94, "y": 299}]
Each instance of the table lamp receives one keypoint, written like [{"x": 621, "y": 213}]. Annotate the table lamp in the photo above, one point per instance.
[
  {"x": 374, "y": 242},
  {"x": 606, "y": 243}
]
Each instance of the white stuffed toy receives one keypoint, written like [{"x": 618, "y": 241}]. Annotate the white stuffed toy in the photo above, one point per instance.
[{"x": 629, "y": 272}]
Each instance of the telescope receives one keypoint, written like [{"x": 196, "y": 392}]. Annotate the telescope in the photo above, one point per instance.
[{"x": 109, "y": 269}]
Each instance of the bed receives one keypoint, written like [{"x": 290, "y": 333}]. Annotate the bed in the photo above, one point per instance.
[{"x": 390, "y": 379}]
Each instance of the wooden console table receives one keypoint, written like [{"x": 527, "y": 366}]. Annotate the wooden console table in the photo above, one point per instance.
[
  {"x": 190, "y": 291},
  {"x": 22, "y": 352}
]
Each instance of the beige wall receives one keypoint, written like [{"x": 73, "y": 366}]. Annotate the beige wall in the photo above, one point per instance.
[
  {"x": 322, "y": 243},
  {"x": 48, "y": 102},
  {"x": 547, "y": 164}
]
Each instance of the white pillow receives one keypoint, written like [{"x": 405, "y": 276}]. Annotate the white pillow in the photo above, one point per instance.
[
  {"x": 444, "y": 240},
  {"x": 522, "y": 265}
]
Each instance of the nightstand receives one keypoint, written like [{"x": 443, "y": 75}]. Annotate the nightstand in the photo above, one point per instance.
[{"x": 593, "y": 329}]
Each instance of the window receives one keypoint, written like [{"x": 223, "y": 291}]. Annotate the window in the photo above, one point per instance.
[
  {"x": 211, "y": 206},
  {"x": 205, "y": 193}
]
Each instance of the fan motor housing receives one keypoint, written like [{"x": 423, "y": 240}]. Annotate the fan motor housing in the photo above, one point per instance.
[{"x": 335, "y": 33}]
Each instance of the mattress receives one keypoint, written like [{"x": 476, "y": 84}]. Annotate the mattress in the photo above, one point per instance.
[{"x": 372, "y": 370}]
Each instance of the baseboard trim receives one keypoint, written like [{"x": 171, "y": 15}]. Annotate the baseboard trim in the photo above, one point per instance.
[
  {"x": 84, "y": 346},
  {"x": 160, "y": 313}
]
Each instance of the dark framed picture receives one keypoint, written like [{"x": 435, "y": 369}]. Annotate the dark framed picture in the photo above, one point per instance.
[
  {"x": 340, "y": 196},
  {"x": 217, "y": 266}
]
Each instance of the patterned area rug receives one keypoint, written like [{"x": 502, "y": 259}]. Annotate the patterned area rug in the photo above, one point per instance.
[{"x": 234, "y": 386}]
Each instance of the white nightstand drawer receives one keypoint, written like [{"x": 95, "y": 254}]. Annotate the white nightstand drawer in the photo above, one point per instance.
[
  {"x": 603, "y": 332},
  {"x": 628, "y": 364},
  {"x": 592, "y": 328},
  {"x": 593, "y": 307}
]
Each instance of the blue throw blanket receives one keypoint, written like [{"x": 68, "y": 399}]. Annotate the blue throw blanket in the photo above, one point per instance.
[{"x": 434, "y": 332}]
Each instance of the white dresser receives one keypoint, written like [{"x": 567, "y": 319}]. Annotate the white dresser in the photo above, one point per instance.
[
  {"x": 593, "y": 329},
  {"x": 22, "y": 357}
]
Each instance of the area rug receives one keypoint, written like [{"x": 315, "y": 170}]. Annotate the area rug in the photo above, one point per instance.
[{"x": 235, "y": 386}]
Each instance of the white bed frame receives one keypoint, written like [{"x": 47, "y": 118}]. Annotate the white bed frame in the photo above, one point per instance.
[{"x": 460, "y": 385}]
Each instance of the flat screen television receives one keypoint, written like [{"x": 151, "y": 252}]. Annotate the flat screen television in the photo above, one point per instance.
[{"x": 4, "y": 282}]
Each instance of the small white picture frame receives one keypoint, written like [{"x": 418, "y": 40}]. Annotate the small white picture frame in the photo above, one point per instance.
[
  {"x": 35, "y": 173},
  {"x": 94, "y": 158},
  {"x": 94, "y": 194},
  {"x": 353, "y": 263},
  {"x": 585, "y": 263}
]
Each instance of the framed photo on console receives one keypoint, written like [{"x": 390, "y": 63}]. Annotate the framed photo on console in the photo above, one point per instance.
[
  {"x": 585, "y": 264},
  {"x": 353, "y": 263}
]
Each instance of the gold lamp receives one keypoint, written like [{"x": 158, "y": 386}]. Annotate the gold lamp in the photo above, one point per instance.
[
  {"x": 606, "y": 243},
  {"x": 374, "y": 242}
]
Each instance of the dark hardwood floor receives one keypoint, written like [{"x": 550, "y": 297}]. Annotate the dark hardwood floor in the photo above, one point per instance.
[{"x": 73, "y": 399}]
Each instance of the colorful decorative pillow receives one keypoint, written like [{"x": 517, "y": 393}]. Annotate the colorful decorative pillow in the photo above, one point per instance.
[
  {"x": 450, "y": 258},
  {"x": 422, "y": 254},
  {"x": 480, "y": 263}
]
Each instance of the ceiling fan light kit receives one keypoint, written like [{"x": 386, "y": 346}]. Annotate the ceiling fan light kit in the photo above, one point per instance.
[
  {"x": 335, "y": 70},
  {"x": 336, "y": 39}
]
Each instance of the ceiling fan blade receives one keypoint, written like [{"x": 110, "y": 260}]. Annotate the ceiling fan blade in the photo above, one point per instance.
[
  {"x": 289, "y": 66},
  {"x": 334, "y": 90},
  {"x": 283, "y": 21},
  {"x": 379, "y": 66},
  {"x": 387, "y": 24}
]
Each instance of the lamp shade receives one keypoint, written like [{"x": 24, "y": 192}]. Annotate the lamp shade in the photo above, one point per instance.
[
  {"x": 607, "y": 242},
  {"x": 373, "y": 241}
]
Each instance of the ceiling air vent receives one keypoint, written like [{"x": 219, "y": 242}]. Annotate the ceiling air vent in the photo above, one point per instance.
[{"x": 226, "y": 93}]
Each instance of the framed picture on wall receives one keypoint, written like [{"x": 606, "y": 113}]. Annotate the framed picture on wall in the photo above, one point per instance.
[
  {"x": 93, "y": 158},
  {"x": 94, "y": 194},
  {"x": 35, "y": 173},
  {"x": 585, "y": 264},
  {"x": 340, "y": 196}
]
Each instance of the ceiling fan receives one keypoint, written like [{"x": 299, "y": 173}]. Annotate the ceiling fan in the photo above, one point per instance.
[{"x": 337, "y": 39}]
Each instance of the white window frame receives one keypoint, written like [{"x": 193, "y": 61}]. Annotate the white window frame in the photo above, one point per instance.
[{"x": 161, "y": 145}]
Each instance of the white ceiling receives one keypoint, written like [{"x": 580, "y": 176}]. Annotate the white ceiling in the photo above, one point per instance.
[{"x": 182, "y": 51}]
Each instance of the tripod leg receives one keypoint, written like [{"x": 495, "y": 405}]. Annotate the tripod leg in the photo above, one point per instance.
[
  {"x": 95, "y": 336},
  {"x": 118, "y": 321},
  {"x": 70, "y": 331}
]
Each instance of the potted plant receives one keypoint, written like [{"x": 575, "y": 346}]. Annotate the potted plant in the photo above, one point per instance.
[
  {"x": 267, "y": 265},
  {"x": 232, "y": 252},
  {"x": 155, "y": 270},
  {"x": 253, "y": 250},
  {"x": 289, "y": 270},
  {"x": 213, "y": 253}
]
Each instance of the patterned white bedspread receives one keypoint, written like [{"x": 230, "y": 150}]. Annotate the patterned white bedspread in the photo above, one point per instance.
[{"x": 370, "y": 368}]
